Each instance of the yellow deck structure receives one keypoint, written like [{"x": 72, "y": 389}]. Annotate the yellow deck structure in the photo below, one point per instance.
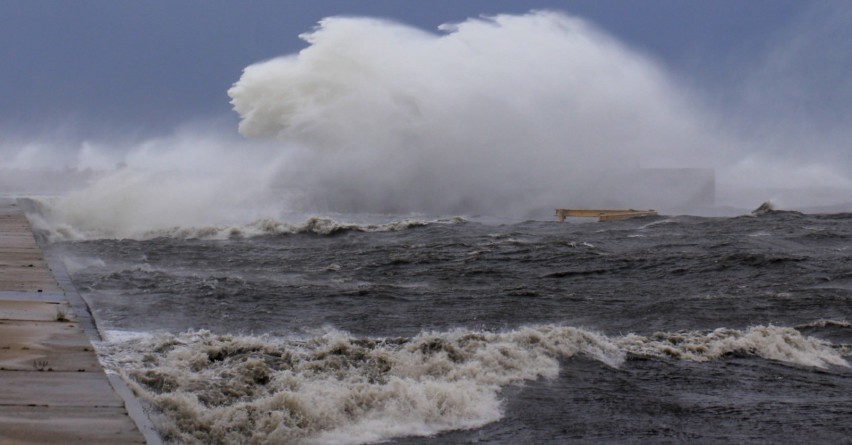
[{"x": 603, "y": 215}]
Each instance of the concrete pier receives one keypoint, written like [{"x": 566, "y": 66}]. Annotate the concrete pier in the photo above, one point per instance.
[{"x": 53, "y": 390}]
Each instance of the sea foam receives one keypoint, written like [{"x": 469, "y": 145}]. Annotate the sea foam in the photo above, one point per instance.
[
  {"x": 336, "y": 388},
  {"x": 341, "y": 389}
]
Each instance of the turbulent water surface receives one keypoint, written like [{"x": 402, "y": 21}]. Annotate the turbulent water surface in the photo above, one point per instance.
[
  {"x": 363, "y": 326},
  {"x": 460, "y": 331}
]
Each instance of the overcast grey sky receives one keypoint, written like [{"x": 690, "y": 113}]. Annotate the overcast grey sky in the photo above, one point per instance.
[{"x": 150, "y": 66}]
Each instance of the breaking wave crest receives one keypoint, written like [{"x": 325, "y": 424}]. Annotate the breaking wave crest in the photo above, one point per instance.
[
  {"x": 770, "y": 342},
  {"x": 337, "y": 388}
]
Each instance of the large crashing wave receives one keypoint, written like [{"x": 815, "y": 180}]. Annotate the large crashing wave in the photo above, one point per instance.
[
  {"x": 496, "y": 115},
  {"x": 336, "y": 388}
]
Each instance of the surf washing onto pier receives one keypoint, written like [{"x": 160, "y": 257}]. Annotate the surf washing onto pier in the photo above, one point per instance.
[{"x": 377, "y": 259}]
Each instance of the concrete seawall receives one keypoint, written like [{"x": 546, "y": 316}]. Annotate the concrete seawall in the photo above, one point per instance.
[{"x": 53, "y": 390}]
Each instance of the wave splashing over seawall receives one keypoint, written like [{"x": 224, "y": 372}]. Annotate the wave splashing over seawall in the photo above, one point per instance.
[{"x": 504, "y": 114}]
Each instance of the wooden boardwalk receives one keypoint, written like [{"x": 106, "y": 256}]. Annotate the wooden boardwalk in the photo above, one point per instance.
[{"x": 53, "y": 390}]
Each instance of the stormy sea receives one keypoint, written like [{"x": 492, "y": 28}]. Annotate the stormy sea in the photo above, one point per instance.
[
  {"x": 664, "y": 329},
  {"x": 374, "y": 258}
]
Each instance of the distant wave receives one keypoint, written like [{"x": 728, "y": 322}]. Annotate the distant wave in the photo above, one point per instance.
[
  {"x": 337, "y": 388},
  {"x": 54, "y": 228},
  {"x": 313, "y": 225},
  {"x": 782, "y": 344},
  {"x": 826, "y": 324}
]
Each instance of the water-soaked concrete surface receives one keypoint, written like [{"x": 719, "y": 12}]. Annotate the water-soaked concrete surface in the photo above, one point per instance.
[{"x": 53, "y": 390}]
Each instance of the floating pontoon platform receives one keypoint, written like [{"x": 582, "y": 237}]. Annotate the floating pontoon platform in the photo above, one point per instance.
[{"x": 603, "y": 215}]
